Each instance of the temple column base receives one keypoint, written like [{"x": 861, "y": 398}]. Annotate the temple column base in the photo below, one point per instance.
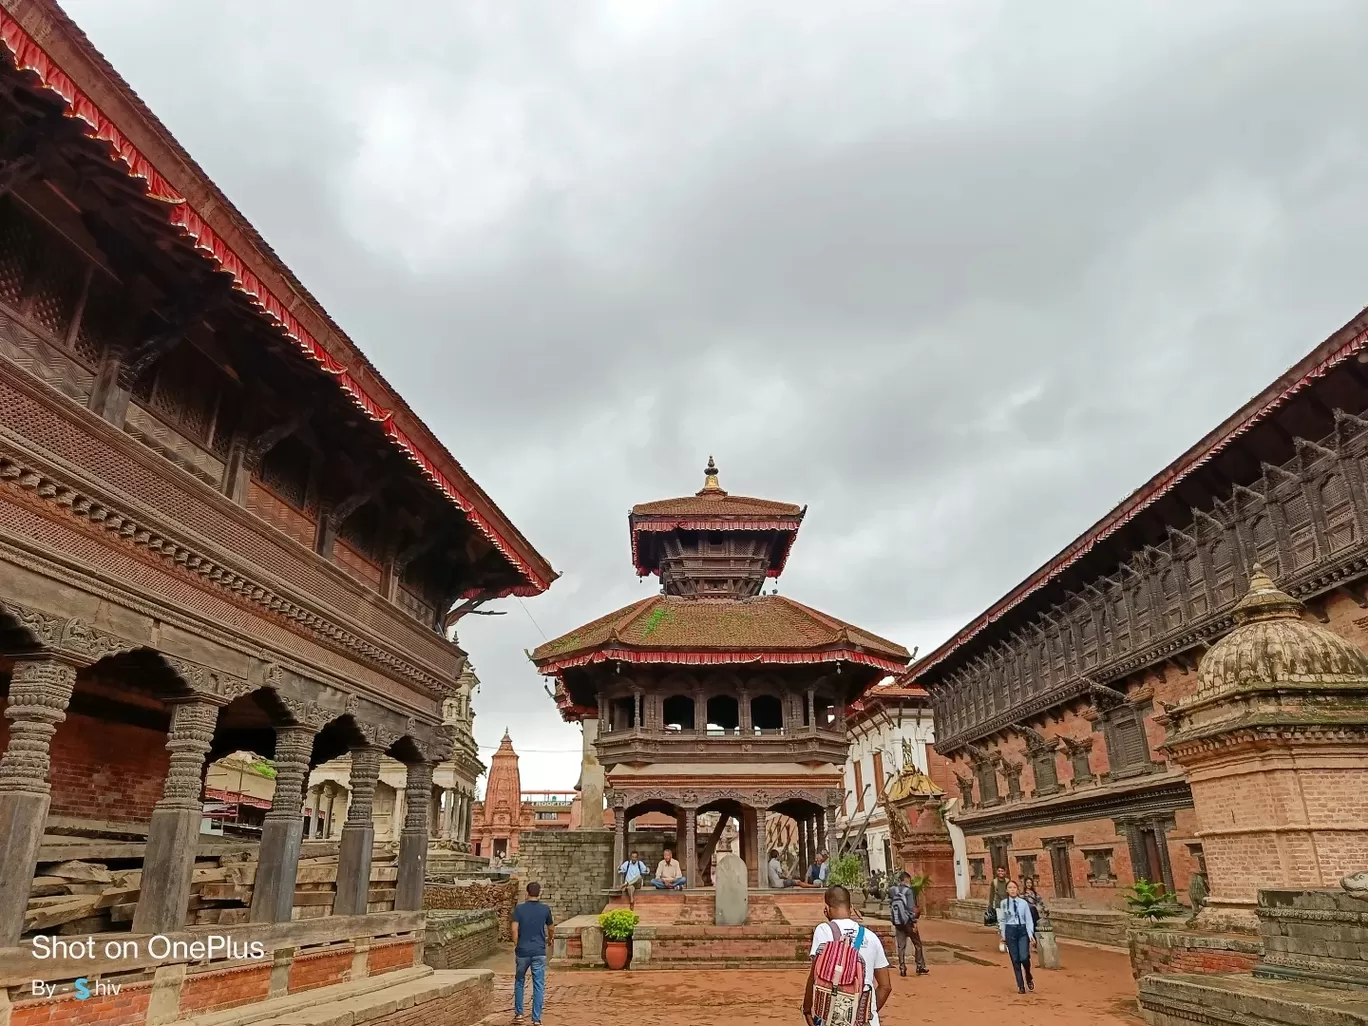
[{"x": 353, "y": 870}]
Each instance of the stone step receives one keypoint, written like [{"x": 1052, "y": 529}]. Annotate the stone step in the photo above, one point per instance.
[{"x": 372, "y": 992}]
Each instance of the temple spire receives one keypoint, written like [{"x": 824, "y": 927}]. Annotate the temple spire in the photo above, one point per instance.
[{"x": 710, "y": 485}]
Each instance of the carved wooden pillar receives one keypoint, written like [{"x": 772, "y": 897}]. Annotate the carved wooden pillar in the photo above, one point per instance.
[
  {"x": 826, "y": 831},
  {"x": 761, "y": 849},
  {"x": 691, "y": 877},
  {"x": 413, "y": 840},
  {"x": 281, "y": 835},
  {"x": 700, "y": 712},
  {"x": 804, "y": 857},
  {"x": 358, "y": 834},
  {"x": 811, "y": 709},
  {"x": 173, "y": 834},
  {"x": 619, "y": 839},
  {"x": 743, "y": 712},
  {"x": 39, "y": 692},
  {"x": 636, "y": 706}
]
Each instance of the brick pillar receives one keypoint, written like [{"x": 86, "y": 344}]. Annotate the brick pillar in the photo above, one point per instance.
[
  {"x": 413, "y": 840},
  {"x": 40, "y": 690},
  {"x": 173, "y": 835},
  {"x": 358, "y": 834},
  {"x": 283, "y": 831},
  {"x": 691, "y": 877}
]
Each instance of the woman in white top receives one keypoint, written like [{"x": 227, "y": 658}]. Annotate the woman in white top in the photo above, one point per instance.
[{"x": 1017, "y": 926}]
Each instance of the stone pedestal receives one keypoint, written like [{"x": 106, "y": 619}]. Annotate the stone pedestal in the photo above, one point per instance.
[
  {"x": 732, "y": 895},
  {"x": 1047, "y": 951}
]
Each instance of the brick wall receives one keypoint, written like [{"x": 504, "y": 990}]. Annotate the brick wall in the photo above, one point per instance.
[
  {"x": 106, "y": 771},
  {"x": 573, "y": 867},
  {"x": 321, "y": 970},
  {"x": 384, "y": 958},
  {"x": 224, "y": 988},
  {"x": 1159, "y": 952},
  {"x": 457, "y": 940},
  {"x": 127, "y": 1008},
  {"x": 501, "y": 897}
]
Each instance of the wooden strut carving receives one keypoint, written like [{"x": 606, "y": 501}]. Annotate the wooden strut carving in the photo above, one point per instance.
[
  {"x": 257, "y": 449},
  {"x": 209, "y": 569}
]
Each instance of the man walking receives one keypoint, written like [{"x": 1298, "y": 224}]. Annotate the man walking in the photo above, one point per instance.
[
  {"x": 668, "y": 875},
  {"x": 532, "y": 931},
  {"x": 997, "y": 894},
  {"x": 902, "y": 909},
  {"x": 634, "y": 875}
]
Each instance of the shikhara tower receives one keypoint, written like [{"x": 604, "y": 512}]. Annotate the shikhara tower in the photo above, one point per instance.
[{"x": 712, "y": 696}]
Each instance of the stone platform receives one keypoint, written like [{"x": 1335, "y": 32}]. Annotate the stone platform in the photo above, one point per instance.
[{"x": 677, "y": 931}]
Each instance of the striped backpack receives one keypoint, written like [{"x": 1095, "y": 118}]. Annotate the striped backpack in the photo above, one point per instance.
[{"x": 839, "y": 995}]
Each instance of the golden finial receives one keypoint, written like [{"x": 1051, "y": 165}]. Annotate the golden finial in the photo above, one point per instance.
[{"x": 710, "y": 485}]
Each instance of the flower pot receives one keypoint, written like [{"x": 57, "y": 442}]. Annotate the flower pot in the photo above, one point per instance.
[{"x": 615, "y": 953}]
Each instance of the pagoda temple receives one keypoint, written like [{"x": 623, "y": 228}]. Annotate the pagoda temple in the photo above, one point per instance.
[{"x": 713, "y": 696}]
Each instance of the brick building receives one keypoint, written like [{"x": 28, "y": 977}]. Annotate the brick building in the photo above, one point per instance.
[
  {"x": 220, "y": 531},
  {"x": 1050, "y": 704}
]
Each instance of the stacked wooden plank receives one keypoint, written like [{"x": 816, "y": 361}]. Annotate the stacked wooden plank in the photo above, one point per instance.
[{"x": 84, "y": 896}]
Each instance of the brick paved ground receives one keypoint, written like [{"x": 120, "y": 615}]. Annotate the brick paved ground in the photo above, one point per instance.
[{"x": 1093, "y": 989}]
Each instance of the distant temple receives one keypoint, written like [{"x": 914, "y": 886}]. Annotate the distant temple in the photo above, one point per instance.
[
  {"x": 713, "y": 696},
  {"x": 508, "y": 810}
]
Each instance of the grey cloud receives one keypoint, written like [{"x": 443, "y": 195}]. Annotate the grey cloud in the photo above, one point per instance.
[{"x": 958, "y": 276}]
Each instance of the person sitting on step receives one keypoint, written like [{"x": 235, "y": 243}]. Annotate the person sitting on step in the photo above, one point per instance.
[{"x": 668, "y": 875}]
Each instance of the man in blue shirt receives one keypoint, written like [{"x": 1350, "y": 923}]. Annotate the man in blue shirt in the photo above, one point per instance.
[{"x": 532, "y": 931}]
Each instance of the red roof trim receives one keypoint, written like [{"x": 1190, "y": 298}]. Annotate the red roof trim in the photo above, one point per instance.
[
  {"x": 1318, "y": 363},
  {"x": 687, "y": 658},
  {"x": 29, "y": 56}
]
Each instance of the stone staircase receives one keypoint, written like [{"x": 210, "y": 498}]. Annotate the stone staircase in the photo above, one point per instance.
[{"x": 392, "y": 999}]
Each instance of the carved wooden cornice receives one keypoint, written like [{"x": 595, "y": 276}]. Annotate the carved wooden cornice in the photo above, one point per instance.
[
  {"x": 205, "y": 682},
  {"x": 71, "y": 639},
  {"x": 692, "y": 797},
  {"x": 190, "y": 559}
]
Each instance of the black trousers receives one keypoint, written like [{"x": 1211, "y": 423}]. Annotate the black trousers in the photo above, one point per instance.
[
  {"x": 903, "y": 932},
  {"x": 1019, "y": 950}
]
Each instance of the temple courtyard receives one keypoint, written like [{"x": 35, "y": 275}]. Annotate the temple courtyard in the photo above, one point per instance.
[{"x": 1093, "y": 987}]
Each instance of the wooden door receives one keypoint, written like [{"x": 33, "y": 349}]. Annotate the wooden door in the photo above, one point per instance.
[
  {"x": 1063, "y": 877},
  {"x": 1154, "y": 866}
]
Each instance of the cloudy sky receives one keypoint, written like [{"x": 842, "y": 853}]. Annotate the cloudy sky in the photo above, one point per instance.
[{"x": 959, "y": 275}]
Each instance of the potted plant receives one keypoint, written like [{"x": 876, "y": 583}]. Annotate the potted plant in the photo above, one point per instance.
[
  {"x": 617, "y": 926},
  {"x": 848, "y": 871}
]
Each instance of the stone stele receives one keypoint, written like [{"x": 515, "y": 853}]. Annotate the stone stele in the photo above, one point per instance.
[{"x": 732, "y": 897}]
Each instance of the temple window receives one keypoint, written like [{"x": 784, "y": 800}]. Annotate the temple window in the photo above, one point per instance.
[
  {"x": 677, "y": 711},
  {"x": 1127, "y": 747},
  {"x": 1026, "y": 868},
  {"x": 767, "y": 714},
  {"x": 285, "y": 471},
  {"x": 1099, "y": 862},
  {"x": 1045, "y": 772},
  {"x": 987, "y": 783},
  {"x": 724, "y": 714},
  {"x": 976, "y": 870},
  {"x": 623, "y": 713}
]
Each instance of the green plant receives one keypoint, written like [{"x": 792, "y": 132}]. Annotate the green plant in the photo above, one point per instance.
[
  {"x": 1151, "y": 901},
  {"x": 919, "y": 883},
  {"x": 618, "y": 924},
  {"x": 846, "y": 871}
]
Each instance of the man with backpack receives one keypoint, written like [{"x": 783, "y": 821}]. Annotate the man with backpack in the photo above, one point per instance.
[
  {"x": 902, "y": 910},
  {"x": 848, "y": 981},
  {"x": 634, "y": 876}
]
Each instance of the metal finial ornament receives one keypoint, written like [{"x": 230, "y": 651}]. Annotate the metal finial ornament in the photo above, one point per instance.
[{"x": 710, "y": 483}]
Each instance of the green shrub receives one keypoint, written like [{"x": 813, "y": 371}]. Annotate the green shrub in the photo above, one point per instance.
[
  {"x": 846, "y": 871},
  {"x": 1151, "y": 901},
  {"x": 618, "y": 924},
  {"x": 919, "y": 884}
]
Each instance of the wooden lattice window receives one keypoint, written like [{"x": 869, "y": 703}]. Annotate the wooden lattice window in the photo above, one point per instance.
[
  {"x": 1045, "y": 771},
  {"x": 285, "y": 470},
  {"x": 976, "y": 870},
  {"x": 987, "y": 782},
  {"x": 1301, "y": 532},
  {"x": 1173, "y": 597},
  {"x": 56, "y": 288},
  {"x": 1340, "y": 528},
  {"x": 1080, "y": 761},
  {"x": 1127, "y": 747},
  {"x": 18, "y": 250},
  {"x": 186, "y": 392},
  {"x": 1223, "y": 569},
  {"x": 1026, "y": 868},
  {"x": 1265, "y": 537}
]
